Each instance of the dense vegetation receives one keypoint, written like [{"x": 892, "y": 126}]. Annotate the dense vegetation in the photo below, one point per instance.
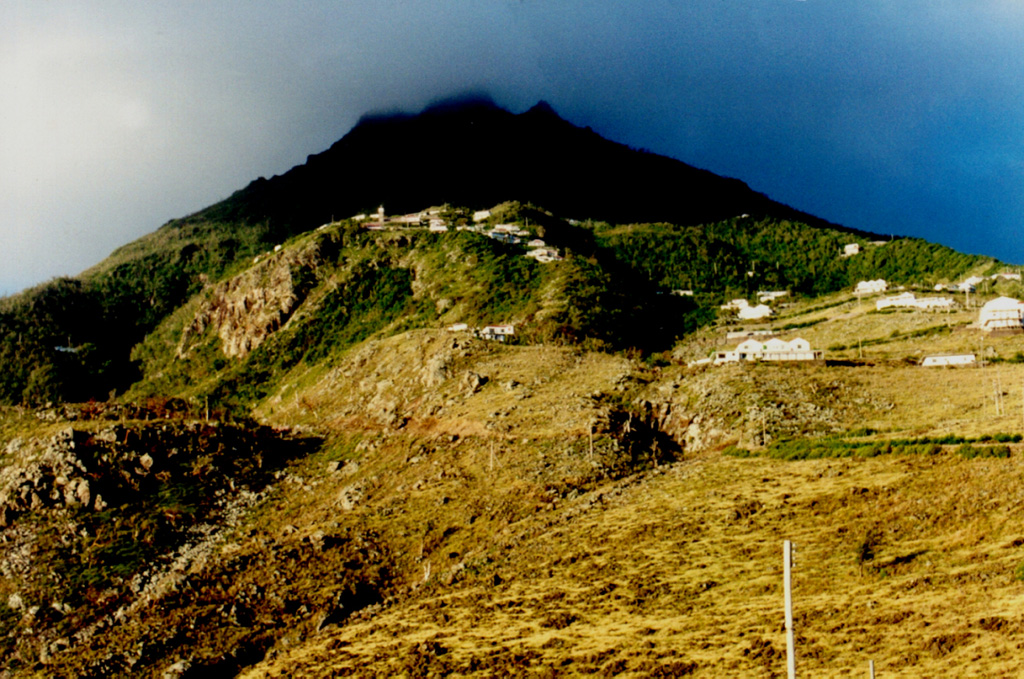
[
  {"x": 812, "y": 449},
  {"x": 740, "y": 256}
]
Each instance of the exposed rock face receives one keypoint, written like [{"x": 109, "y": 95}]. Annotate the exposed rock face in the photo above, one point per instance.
[
  {"x": 243, "y": 311},
  {"x": 748, "y": 407}
]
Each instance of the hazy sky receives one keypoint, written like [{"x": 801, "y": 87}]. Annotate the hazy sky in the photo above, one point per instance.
[{"x": 896, "y": 116}]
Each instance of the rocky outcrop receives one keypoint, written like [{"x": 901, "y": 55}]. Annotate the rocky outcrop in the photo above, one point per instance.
[
  {"x": 750, "y": 407},
  {"x": 55, "y": 477},
  {"x": 243, "y": 311},
  {"x": 173, "y": 491}
]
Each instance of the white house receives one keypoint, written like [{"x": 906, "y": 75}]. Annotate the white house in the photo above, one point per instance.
[
  {"x": 797, "y": 349},
  {"x": 770, "y": 295},
  {"x": 851, "y": 249},
  {"x": 973, "y": 281},
  {"x": 907, "y": 300},
  {"x": 735, "y": 304},
  {"x": 933, "y": 303},
  {"x": 481, "y": 215},
  {"x": 955, "y": 287},
  {"x": 948, "y": 359},
  {"x": 682, "y": 293},
  {"x": 536, "y": 243},
  {"x": 545, "y": 254},
  {"x": 866, "y": 287},
  {"x": 751, "y": 313},
  {"x": 1002, "y": 313},
  {"x": 438, "y": 226},
  {"x": 497, "y": 332},
  {"x": 1006, "y": 276},
  {"x": 458, "y": 327}
]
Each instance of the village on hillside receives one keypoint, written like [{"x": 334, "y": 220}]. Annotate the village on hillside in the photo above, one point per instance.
[
  {"x": 432, "y": 221},
  {"x": 966, "y": 321}
]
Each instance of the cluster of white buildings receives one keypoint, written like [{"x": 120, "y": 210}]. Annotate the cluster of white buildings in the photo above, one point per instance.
[
  {"x": 747, "y": 312},
  {"x": 907, "y": 300},
  {"x": 506, "y": 233},
  {"x": 774, "y": 349}
]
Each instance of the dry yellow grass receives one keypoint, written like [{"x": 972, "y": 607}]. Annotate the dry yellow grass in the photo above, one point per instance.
[{"x": 680, "y": 573}]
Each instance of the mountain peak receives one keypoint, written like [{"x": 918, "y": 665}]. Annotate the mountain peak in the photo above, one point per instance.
[{"x": 543, "y": 108}]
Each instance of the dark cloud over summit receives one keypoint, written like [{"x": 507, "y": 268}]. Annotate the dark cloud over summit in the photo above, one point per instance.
[{"x": 898, "y": 118}]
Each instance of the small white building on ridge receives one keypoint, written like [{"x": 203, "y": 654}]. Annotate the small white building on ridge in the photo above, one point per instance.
[{"x": 497, "y": 332}]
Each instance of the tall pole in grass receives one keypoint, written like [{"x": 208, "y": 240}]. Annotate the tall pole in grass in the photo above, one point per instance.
[{"x": 787, "y": 560}]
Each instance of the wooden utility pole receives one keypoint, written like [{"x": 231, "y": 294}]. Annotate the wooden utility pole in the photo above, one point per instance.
[
  {"x": 871, "y": 669},
  {"x": 999, "y": 394},
  {"x": 787, "y": 560},
  {"x": 590, "y": 431}
]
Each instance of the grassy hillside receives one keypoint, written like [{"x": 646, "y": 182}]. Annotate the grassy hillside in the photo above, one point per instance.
[
  {"x": 343, "y": 285},
  {"x": 421, "y": 502}
]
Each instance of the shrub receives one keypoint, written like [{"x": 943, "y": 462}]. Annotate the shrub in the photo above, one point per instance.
[{"x": 736, "y": 451}]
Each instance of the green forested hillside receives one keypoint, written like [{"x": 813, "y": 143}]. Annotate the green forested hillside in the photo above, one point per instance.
[{"x": 742, "y": 255}]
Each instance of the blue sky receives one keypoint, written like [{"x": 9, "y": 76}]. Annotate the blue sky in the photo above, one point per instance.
[{"x": 902, "y": 117}]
